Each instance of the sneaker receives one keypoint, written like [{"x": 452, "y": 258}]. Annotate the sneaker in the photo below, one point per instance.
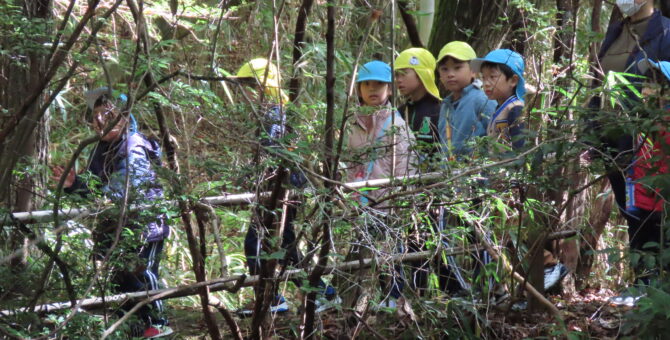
[
  {"x": 553, "y": 275},
  {"x": 280, "y": 306},
  {"x": 625, "y": 300},
  {"x": 389, "y": 304},
  {"x": 157, "y": 331},
  {"x": 323, "y": 303}
]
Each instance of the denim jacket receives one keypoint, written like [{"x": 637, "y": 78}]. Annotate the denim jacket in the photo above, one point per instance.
[{"x": 467, "y": 118}]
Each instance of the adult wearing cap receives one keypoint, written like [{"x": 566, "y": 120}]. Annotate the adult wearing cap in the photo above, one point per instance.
[
  {"x": 642, "y": 33},
  {"x": 261, "y": 84},
  {"x": 123, "y": 164},
  {"x": 466, "y": 110},
  {"x": 415, "y": 80}
]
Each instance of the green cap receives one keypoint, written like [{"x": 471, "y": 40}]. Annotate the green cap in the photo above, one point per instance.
[
  {"x": 423, "y": 63},
  {"x": 458, "y": 50}
]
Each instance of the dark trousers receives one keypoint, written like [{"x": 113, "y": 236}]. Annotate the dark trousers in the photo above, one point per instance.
[
  {"x": 143, "y": 278},
  {"x": 448, "y": 271},
  {"x": 618, "y": 184},
  {"x": 253, "y": 247},
  {"x": 644, "y": 226},
  {"x": 421, "y": 269}
]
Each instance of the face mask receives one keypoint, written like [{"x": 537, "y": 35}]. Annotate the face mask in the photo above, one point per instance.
[{"x": 629, "y": 7}]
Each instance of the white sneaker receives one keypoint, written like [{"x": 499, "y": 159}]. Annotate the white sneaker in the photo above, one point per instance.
[
  {"x": 390, "y": 304},
  {"x": 625, "y": 300},
  {"x": 323, "y": 304}
]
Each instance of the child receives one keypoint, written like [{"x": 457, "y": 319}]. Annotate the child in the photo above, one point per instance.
[
  {"x": 124, "y": 152},
  {"x": 465, "y": 112},
  {"x": 379, "y": 144},
  {"x": 646, "y": 191},
  {"x": 415, "y": 79},
  {"x": 261, "y": 85},
  {"x": 378, "y": 130},
  {"x": 502, "y": 73}
]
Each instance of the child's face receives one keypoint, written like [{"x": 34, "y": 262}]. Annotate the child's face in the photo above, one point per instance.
[
  {"x": 408, "y": 82},
  {"x": 496, "y": 85},
  {"x": 455, "y": 75},
  {"x": 374, "y": 93}
]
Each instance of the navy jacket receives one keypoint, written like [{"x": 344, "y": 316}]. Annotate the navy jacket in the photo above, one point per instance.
[
  {"x": 422, "y": 117},
  {"x": 655, "y": 44},
  {"x": 136, "y": 156}
]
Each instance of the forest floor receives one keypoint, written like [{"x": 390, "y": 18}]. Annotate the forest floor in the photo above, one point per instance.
[{"x": 587, "y": 314}]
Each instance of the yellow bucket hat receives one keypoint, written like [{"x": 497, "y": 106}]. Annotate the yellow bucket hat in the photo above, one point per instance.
[
  {"x": 256, "y": 69},
  {"x": 423, "y": 63},
  {"x": 458, "y": 50}
]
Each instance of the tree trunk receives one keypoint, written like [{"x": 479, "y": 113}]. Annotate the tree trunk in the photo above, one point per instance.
[
  {"x": 28, "y": 143},
  {"x": 410, "y": 24},
  {"x": 473, "y": 21}
]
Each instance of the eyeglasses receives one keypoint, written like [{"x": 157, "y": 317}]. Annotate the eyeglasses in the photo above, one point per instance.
[{"x": 103, "y": 116}]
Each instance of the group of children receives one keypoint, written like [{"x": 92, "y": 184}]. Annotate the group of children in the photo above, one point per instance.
[
  {"x": 384, "y": 142},
  {"x": 485, "y": 98}
]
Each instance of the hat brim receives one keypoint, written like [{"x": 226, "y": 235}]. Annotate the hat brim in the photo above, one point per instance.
[
  {"x": 476, "y": 64},
  {"x": 92, "y": 96},
  {"x": 455, "y": 56},
  {"x": 644, "y": 65}
]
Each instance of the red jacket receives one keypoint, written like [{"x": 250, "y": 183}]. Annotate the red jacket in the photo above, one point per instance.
[{"x": 650, "y": 160}]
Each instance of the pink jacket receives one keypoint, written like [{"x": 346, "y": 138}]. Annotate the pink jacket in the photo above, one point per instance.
[{"x": 371, "y": 157}]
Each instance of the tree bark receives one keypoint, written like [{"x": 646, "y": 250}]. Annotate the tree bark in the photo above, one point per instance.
[
  {"x": 298, "y": 41},
  {"x": 410, "y": 24},
  {"x": 473, "y": 21},
  {"x": 330, "y": 168},
  {"x": 29, "y": 141}
]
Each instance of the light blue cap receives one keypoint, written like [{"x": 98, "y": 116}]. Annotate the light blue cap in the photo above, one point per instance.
[
  {"x": 375, "y": 70},
  {"x": 645, "y": 64},
  {"x": 92, "y": 96},
  {"x": 507, "y": 57}
]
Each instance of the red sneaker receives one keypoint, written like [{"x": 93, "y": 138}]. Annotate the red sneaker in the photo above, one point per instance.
[{"x": 157, "y": 332}]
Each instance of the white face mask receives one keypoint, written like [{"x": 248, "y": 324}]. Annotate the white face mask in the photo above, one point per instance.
[{"x": 629, "y": 7}]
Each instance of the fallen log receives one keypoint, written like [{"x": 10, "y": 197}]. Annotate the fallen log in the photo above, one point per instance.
[
  {"x": 231, "y": 283},
  {"x": 44, "y": 216}
]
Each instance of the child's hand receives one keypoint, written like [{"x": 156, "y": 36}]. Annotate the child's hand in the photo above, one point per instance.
[{"x": 58, "y": 173}]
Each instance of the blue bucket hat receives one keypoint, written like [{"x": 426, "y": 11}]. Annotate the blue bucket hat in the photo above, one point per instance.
[
  {"x": 375, "y": 70},
  {"x": 645, "y": 64},
  {"x": 506, "y": 57}
]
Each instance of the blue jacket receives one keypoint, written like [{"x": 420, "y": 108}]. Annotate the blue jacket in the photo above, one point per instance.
[
  {"x": 133, "y": 155},
  {"x": 274, "y": 128},
  {"x": 467, "y": 118}
]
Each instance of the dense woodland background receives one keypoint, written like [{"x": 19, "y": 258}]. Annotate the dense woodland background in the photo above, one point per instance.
[{"x": 172, "y": 58}]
